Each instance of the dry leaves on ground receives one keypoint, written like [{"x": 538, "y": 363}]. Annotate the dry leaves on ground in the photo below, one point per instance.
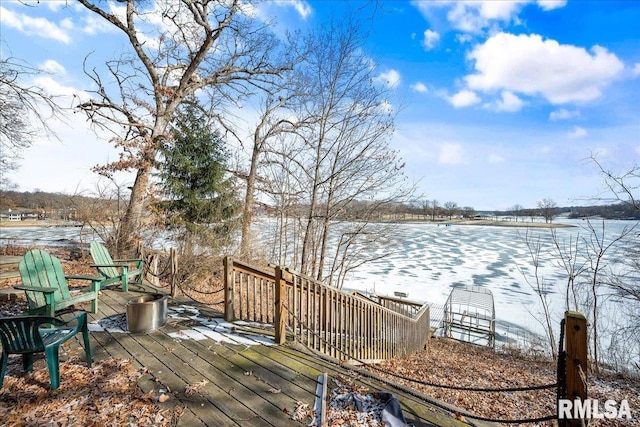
[
  {"x": 450, "y": 362},
  {"x": 349, "y": 405},
  {"x": 192, "y": 389},
  {"x": 353, "y": 405},
  {"x": 105, "y": 394}
]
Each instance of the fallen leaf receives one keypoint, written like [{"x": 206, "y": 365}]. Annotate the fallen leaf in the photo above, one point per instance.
[{"x": 192, "y": 389}]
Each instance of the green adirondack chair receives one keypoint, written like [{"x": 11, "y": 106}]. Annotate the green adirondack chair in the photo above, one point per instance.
[
  {"x": 46, "y": 287},
  {"x": 115, "y": 270},
  {"x": 27, "y": 335}
]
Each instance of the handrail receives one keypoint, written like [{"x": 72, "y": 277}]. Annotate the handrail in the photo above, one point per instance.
[{"x": 322, "y": 317}]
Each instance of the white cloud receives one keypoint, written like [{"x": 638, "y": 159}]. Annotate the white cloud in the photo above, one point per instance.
[
  {"x": 67, "y": 24},
  {"x": 551, "y": 4},
  {"x": 419, "y": 87},
  {"x": 463, "y": 38},
  {"x": 385, "y": 107},
  {"x": 391, "y": 79},
  {"x": 451, "y": 154},
  {"x": 54, "y": 5},
  {"x": 577, "y": 132},
  {"x": 39, "y": 27},
  {"x": 93, "y": 24},
  {"x": 301, "y": 6},
  {"x": 464, "y": 98},
  {"x": 494, "y": 158},
  {"x": 54, "y": 87},
  {"x": 51, "y": 66},
  {"x": 563, "y": 114},
  {"x": 474, "y": 16},
  {"x": 431, "y": 38},
  {"x": 636, "y": 69},
  {"x": 529, "y": 65},
  {"x": 508, "y": 103}
]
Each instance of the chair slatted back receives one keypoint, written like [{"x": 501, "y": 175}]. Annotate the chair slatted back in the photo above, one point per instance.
[
  {"x": 101, "y": 256},
  {"x": 39, "y": 268},
  {"x": 21, "y": 335}
]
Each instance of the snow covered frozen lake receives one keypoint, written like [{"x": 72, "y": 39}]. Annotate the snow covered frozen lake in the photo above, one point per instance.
[{"x": 426, "y": 260}]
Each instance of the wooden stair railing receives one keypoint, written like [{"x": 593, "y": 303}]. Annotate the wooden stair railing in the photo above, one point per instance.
[{"x": 338, "y": 323}]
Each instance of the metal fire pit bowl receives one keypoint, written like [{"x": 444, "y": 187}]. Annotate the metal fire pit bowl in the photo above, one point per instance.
[{"x": 146, "y": 312}]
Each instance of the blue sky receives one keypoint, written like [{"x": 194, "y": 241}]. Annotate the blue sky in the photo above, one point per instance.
[{"x": 499, "y": 102}]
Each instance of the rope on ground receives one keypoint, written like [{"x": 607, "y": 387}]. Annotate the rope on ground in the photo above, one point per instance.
[{"x": 442, "y": 406}]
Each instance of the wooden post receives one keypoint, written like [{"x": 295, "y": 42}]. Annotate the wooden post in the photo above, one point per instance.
[
  {"x": 280, "y": 324},
  {"x": 139, "y": 250},
  {"x": 576, "y": 348},
  {"x": 173, "y": 258},
  {"x": 229, "y": 315},
  {"x": 152, "y": 263}
]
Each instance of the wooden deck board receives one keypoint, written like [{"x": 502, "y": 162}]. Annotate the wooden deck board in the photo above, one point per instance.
[
  {"x": 277, "y": 395},
  {"x": 221, "y": 396},
  {"x": 413, "y": 409},
  {"x": 255, "y": 385}
]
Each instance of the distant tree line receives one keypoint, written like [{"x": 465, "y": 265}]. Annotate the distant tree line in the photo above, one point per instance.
[
  {"x": 613, "y": 211},
  {"x": 427, "y": 209},
  {"x": 37, "y": 200}
]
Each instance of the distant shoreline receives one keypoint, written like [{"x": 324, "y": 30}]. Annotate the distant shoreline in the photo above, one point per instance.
[
  {"x": 479, "y": 222},
  {"x": 38, "y": 223},
  {"x": 490, "y": 222}
]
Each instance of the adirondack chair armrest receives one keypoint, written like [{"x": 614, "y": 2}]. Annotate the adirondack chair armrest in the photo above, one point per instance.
[
  {"x": 95, "y": 280},
  {"x": 45, "y": 290},
  {"x": 83, "y": 277},
  {"x": 127, "y": 260},
  {"x": 108, "y": 265}
]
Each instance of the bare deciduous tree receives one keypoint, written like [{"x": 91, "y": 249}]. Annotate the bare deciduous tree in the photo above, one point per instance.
[
  {"x": 540, "y": 286},
  {"x": 435, "y": 209},
  {"x": 348, "y": 121},
  {"x": 25, "y": 112},
  {"x": 516, "y": 210},
  {"x": 274, "y": 121},
  {"x": 547, "y": 209},
  {"x": 178, "y": 48},
  {"x": 451, "y": 209},
  {"x": 336, "y": 165},
  {"x": 623, "y": 186}
]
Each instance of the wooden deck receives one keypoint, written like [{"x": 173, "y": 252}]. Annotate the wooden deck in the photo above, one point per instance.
[{"x": 249, "y": 383}]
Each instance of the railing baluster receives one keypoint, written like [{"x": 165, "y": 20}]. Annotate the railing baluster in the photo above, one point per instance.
[{"x": 327, "y": 319}]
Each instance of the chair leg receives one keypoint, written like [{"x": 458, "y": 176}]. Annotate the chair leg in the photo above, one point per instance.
[
  {"x": 3, "y": 366},
  {"x": 53, "y": 363},
  {"x": 27, "y": 362},
  {"x": 87, "y": 346},
  {"x": 140, "y": 269},
  {"x": 125, "y": 282}
]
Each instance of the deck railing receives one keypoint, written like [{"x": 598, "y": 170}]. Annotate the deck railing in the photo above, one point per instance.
[{"x": 343, "y": 325}]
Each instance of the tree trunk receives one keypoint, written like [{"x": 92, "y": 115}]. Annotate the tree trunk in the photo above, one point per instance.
[
  {"x": 131, "y": 225},
  {"x": 247, "y": 210}
]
